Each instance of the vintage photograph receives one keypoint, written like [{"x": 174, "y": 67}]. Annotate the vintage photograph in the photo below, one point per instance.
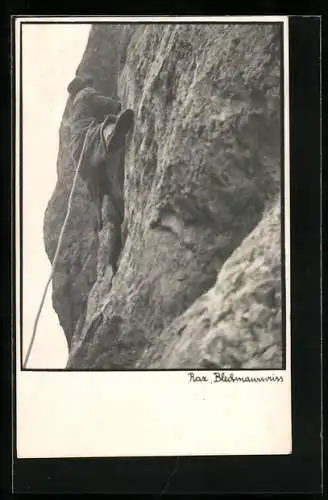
[{"x": 152, "y": 173}]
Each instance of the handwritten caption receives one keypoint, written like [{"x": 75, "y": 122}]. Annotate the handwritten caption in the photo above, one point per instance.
[{"x": 216, "y": 377}]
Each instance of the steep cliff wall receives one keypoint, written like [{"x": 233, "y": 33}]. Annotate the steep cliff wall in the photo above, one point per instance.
[{"x": 198, "y": 283}]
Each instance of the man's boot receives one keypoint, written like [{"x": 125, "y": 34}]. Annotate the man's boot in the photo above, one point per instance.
[{"x": 115, "y": 133}]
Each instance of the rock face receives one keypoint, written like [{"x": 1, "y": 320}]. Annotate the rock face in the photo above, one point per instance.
[
  {"x": 237, "y": 323},
  {"x": 199, "y": 277}
]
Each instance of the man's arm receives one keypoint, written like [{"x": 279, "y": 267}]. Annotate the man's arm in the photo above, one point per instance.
[{"x": 103, "y": 106}]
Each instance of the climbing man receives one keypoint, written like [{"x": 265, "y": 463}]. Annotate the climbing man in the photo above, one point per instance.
[
  {"x": 98, "y": 134},
  {"x": 100, "y": 129}
]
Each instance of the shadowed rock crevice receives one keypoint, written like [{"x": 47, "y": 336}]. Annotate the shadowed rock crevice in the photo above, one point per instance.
[{"x": 202, "y": 180}]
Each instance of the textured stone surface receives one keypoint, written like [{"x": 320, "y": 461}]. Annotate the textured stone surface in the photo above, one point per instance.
[
  {"x": 237, "y": 323},
  {"x": 202, "y": 176}
]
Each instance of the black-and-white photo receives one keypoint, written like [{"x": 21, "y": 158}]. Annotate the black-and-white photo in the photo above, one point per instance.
[{"x": 152, "y": 191}]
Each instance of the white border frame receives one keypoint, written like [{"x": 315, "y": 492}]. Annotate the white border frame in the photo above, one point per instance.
[{"x": 73, "y": 414}]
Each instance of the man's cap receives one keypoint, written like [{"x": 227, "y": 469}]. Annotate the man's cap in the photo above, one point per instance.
[{"x": 79, "y": 83}]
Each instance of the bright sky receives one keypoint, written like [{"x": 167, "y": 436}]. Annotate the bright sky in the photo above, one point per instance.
[{"x": 51, "y": 54}]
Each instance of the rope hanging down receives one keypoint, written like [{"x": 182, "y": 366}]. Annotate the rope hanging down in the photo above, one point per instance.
[{"x": 58, "y": 248}]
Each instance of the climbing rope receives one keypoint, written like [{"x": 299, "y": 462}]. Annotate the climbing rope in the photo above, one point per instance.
[{"x": 58, "y": 248}]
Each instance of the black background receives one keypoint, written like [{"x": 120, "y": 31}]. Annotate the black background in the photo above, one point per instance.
[{"x": 298, "y": 472}]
